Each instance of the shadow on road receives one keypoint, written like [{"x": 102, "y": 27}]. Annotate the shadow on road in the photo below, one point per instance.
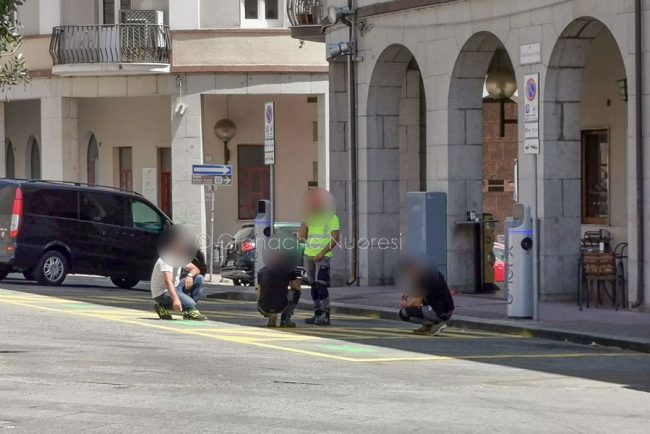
[{"x": 358, "y": 336}]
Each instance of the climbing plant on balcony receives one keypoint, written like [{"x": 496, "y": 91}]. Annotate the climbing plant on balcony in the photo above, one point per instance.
[{"x": 13, "y": 68}]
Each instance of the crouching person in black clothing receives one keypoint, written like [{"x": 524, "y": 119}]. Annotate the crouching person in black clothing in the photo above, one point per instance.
[
  {"x": 278, "y": 294},
  {"x": 430, "y": 304},
  {"x": 278, "y": 284}
]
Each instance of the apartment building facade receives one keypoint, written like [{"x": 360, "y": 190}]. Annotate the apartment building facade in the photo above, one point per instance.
[
  {"x": 128, "y": 92},
  {"x": 429, "y": 76}
]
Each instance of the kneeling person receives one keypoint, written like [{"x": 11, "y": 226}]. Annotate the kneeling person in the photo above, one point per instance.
[
  {"x": 431, "y": 305},
  {"x": 171, "y": 292},
  {"x": 278, "y": 294},
  {"x": 278, "y": 290}
]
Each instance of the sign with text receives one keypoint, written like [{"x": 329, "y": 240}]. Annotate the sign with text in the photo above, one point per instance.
[
  {"x": 531, "y": 130},
  {"x": 212, "y": 174},
  {"x": 269, "y": 133},
  {"x": 531, "y": 90},
  {"x": 530, "y": 54},
  {"x": 531, "y": 146}
]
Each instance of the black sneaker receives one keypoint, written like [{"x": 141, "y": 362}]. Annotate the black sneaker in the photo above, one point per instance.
[
  {"x": 273, "y": 320},
  {"x": 287, "y": 324},
  {"x": 322, "y": 320},
  {"x": 311, "y": 320}
]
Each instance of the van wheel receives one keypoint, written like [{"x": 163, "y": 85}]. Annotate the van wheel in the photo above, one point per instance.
[
  {"x": 52, "y": 269},
  {"x": 124, "y": 282},
  {"x": 4, "y": 272},
  {"x": 29, "y": 275}
]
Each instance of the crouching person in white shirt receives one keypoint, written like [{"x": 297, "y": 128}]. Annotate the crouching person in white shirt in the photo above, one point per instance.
[{"x": 168, "y": 289}]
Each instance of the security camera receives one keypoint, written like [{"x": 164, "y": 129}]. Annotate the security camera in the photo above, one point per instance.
[
  {"x": 180, "y": 109},
  {"x": 339, "y": 49}
]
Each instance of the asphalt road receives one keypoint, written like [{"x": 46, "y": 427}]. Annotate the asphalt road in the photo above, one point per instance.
[{"x": 88, "y": 357}]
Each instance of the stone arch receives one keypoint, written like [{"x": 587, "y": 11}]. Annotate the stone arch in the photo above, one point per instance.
[
  {"x": 568, "y": 111},
  {"x": 465, "y": 149},
  {"x": 33, "y": 159},
  {"x": 392, "y": 161},
  {"x": 10, "y": 160}
]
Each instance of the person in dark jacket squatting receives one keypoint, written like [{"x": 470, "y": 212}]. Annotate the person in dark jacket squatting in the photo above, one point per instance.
[
  {"x": 431, "y": 303},
  {"x": 278, "y": 283}
]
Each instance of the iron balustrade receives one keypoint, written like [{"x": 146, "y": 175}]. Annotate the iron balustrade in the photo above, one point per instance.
[
  {"x": 304, "y": 12},
  {"x": 115, "y": 43}
]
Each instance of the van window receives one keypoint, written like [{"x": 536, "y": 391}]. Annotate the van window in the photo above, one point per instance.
[
  {"x": 51, "y": 203},
  {"x": 145, "y": 217},
  {"x": 102, "y": 208},
  {"x": 7, "y": 194}
]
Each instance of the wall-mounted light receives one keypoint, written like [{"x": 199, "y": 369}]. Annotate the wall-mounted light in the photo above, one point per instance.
[
  {"x": 337, "y": 50},
  {"x": 622, "y": 88},
  {"x": 337, "y": 15},
  {"x": 180, "y": 109},
  {"x": 501, "y": 82},
  {"x": 225, "y": 130}
]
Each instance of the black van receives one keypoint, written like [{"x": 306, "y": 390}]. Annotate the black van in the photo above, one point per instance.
[{"x": 49, "y": 229}]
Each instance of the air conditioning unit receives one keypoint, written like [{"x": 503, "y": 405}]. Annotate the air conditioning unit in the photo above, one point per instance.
[
  {"x": 130, "y": 16},
  {"x": 145, "y": 34}
]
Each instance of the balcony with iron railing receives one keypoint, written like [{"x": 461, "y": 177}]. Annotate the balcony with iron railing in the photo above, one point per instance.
[
  {"x": 119, "y": 49},
  {"x": 306, "y": 19}
]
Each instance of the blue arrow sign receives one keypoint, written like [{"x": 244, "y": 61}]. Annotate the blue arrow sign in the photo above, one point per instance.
[{"x": 212, "y": 170}]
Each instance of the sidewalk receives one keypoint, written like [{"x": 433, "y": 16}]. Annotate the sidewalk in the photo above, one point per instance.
[{"x": 558, "y": 320}]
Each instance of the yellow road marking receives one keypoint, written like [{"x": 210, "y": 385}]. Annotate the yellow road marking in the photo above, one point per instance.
[{"x": 26, "y": 301}]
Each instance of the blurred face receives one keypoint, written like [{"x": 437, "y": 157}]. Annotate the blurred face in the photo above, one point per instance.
[
  {"x": 411, "y": 274},
  {"x": 281, "y": 253},
  {"x": 177, "y": 246},
  {"x": 318, "y": 201}
]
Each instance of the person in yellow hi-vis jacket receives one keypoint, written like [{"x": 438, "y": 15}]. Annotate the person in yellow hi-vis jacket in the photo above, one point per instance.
[{"x": 320, "y": 231}]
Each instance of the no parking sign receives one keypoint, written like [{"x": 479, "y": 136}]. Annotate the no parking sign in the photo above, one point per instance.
[{"x": 532, "y": 98}]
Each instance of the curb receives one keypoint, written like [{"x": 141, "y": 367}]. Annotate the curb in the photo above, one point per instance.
[{"x": 497, "y": 326}]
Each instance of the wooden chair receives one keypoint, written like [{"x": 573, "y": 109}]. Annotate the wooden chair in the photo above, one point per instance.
[{"x": 600, "y": 271}]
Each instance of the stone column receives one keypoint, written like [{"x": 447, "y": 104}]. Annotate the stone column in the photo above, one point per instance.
[
  {"x": 323, "y": 142},
  {"x": 339, "y": 179},
  {"x": 188, "y": 203},
  {"x": 59, "y": 139},
  {"x": 3, "y": 144}
]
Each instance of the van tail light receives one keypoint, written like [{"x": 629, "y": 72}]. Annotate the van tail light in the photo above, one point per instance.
[
  {"x": 16, "y": 214},
  {"x": 247, "y": 246}
]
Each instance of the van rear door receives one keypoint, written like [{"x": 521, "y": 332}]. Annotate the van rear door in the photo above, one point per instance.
[
  {"x": 144, "y": 225},
  {"x": 7, "y": 244}
]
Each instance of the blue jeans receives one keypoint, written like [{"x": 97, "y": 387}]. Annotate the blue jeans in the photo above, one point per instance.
[{"x": 188, "y": 300}]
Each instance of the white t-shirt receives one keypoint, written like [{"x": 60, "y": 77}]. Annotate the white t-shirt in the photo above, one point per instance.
[{"x": 158, "y": 279}]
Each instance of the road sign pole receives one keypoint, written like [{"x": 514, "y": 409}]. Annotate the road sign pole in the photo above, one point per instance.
[
  {"x": 272, "y": 194},
  {"x": 269, "y": 153},
  {"x": 211, "y": 240}
]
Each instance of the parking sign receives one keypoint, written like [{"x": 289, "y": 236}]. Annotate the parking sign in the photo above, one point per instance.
[
  {"x": 532, "y": 98},
  {"x": 269, "y": 133}
]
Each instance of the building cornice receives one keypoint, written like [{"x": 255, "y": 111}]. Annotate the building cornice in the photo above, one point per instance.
[
  {"x": 260, "y": 69},
  {"x": 234, "y": 32},
  {"x": 396, "y": 6}
]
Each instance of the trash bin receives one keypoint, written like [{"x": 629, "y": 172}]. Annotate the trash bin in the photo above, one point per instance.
[{"x": 519, "y": 263}]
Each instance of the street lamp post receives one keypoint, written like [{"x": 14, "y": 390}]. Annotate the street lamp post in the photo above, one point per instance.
[{"x": 225, "y": 130}]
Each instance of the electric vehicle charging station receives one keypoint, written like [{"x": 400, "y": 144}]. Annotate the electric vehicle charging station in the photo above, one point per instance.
[
  {"x": 519, "y": 263},
  {"x": 263, "y": 231}
]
